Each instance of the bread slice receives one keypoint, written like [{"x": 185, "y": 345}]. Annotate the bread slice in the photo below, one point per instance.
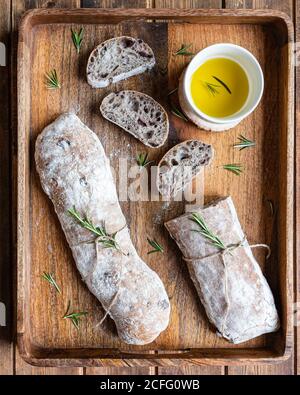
[
  {"x": 117, "y": 59},
  {"x": 181, "y": 164},
  {"x": 138, "y": 114}
]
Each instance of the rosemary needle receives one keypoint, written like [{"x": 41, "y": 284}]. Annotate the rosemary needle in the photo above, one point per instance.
[
  {"x": 178, "y": 113},
  {"x": 52, "y": 81},
  {"x": 244, "y": 143},
  {"x": 142, "y": 160},
  {"x": 49, "y": 277},
  {"x": 77, "y": 39},
  {"x": 155, "y": 245},
  {"x": 211, "y": 87},
  {"x": 184, "y": 50},
  {"x": 205, "y": 232},
  {"x": 234, "y": 168},
  {"x": 222, "y": 83},
  {"x": 74, "y": 317}
]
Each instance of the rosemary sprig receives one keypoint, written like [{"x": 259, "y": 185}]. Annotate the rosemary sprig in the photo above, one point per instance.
[
  {"x": 244, "y": 143},
  {"x": 77, "y": 39},
  {"x": 184, "y": 50},
  {"x": 176, "y": 111},
  {"x": 142, "y": 160},
  {"x": 234, "y": 168},
  {"x": 52, "y": 81},
  {"x": 155, "y": 245},
  {"x": 205, "y": 232},
  {"x": 49, "y": 277},
  {"x": 211, "y": 87},
  {"x": 107, "y": 241},
  {"x": 222, "y": 83},
  {"x": 74, "y": 317}
]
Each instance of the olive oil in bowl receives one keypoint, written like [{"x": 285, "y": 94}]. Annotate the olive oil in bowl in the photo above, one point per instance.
[{"x": 219, "y": 87}]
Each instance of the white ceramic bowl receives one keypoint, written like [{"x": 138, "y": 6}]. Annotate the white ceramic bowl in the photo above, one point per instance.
[{"x": 249, "y": 64}]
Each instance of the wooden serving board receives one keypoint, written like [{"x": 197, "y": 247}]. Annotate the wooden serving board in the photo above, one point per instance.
[{"x": 263, "y": 193}]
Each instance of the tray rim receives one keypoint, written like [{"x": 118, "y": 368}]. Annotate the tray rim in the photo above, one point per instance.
[{"x": 156, "y": 358}]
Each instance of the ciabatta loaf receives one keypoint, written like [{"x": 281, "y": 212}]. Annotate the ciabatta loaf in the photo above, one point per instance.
[
  {"x": 138, "y": 114},
  {"x": 75, "y": 172},
  {"x": 181, "y": 164},
  {"x": 230, "y": 284},
  {"x": 117, "y": 59}
]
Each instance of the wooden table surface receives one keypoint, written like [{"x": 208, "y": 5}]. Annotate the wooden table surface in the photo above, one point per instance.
[{"x": 10, "y": 12}]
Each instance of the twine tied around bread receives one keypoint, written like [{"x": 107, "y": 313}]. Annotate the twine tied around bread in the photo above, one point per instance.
[
  {"x": 108, "y": 241},
  {"x": 228, "y": 250},
  {"x": 111, "y": 304},
  {"x": 93, "y": 269}
]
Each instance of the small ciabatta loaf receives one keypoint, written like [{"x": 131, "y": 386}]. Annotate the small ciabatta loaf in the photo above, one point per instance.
[
  {"x": 181, "y": 164},
  {"x": 231, "y": 286},
  {"x": 139, "y": 115},
  {"x": 75, "y": 172},
  {"x": 117, "y": 59}
]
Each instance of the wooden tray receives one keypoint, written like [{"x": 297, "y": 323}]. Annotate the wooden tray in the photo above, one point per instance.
[{"x": 44, "y": 338}]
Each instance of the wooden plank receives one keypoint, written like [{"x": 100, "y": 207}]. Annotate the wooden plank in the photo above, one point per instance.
[
  {"x": 188, "y": 4},
  {"x": 6, "y": 347},
  {"x": 297, "y": 193},
  {"x": 282, "y": 5},
  {"x": 190, "y": 369},
  {"x": 118, "y": 4},
  {"x": 286, "y": 368},
  {"x": 18, "y": 7}
]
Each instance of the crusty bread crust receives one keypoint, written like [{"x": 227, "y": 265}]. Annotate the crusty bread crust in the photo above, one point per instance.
[
  {"x": 74, "y": 169},
  {"x": 181, "y": 164},
  {"x": 117, "y": 59},
  {"x": 138, "y": 114}
]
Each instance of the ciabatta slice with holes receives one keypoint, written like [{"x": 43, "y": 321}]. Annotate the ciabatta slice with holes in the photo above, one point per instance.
[
  {"x": 181, "y": 164},
  {"x": 138, "y": 114},
  {"x": 117, "y": 59}
]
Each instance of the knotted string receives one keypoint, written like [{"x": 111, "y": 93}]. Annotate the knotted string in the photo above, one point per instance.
[
  {"x": 223, "y": 254},
  {"x": 96, "y": 242},
  {"x": 108, "y": 309}
]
